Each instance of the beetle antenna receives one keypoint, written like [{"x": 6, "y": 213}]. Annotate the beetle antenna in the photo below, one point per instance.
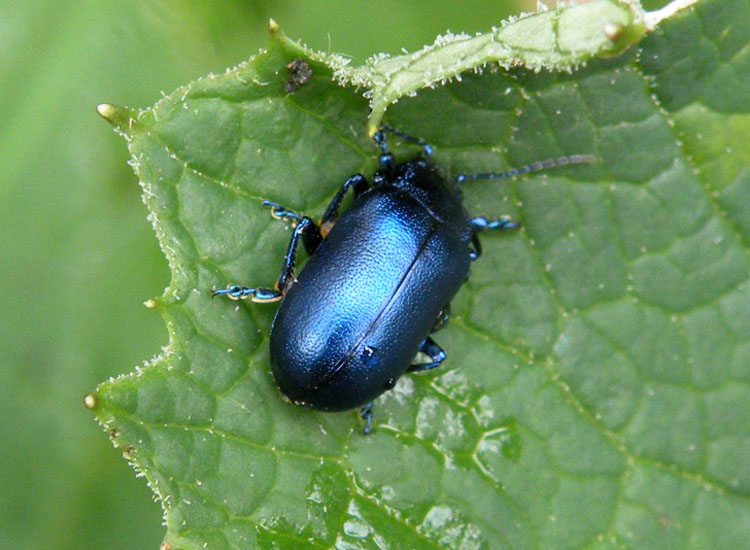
[
  {"x": 385, "y": 158},
  {"x": 426, "y": 147},
  {"x": 533, "y": 167}
]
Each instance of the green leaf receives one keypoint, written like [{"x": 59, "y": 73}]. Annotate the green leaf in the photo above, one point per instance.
[
  {"x": 558, "y": 40},
  {"x": 596, "y": 392}
]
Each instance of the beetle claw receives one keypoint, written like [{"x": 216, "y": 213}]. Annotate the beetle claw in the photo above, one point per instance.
[{"x": 366, "y": 413}]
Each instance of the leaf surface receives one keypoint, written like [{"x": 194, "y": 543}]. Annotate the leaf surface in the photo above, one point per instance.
[{"x": 596, "y": 389}]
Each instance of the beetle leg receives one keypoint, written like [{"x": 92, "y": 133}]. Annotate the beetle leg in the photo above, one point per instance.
[
  {"x": 358, "y": 183},
  {"x": 261, "y": 295},
  {"x": 282, "y": 213},
  {"x": 480, "y": 223},
  {"x": 476, "y": 249},
  {"x": 442, "y": 318},
  {"x": 311, "y": 237},
  {"x": 366, "y": 414},
  {"x": 434, "y": 352}
]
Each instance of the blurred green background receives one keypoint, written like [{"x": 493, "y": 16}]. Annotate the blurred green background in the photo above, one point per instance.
[{"x": 77, "y": 255}]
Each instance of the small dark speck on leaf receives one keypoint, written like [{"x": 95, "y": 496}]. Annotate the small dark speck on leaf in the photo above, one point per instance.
[{"x": 299, "y": 73}]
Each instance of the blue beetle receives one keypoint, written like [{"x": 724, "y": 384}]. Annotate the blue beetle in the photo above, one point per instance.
[{"x": 379, "y": 280}]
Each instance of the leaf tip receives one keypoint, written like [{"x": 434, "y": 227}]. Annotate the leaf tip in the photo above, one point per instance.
[
  {"x": 273, "y": 27},
  {"x": 90, "y": 401},
  {"x": 119, "y": 117}
]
